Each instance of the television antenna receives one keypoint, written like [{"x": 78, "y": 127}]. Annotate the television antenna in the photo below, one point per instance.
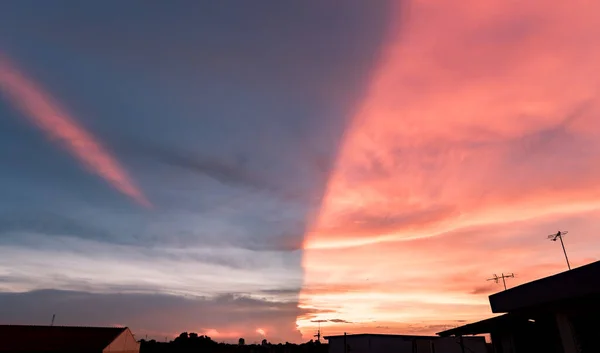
[
  {"x": 559, "y": 235},
  {"x": 318, "y": 335},
  {"x": 497, "y": 278}
]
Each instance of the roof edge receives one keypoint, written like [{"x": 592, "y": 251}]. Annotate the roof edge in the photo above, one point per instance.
[{"x": 380, "y": 335}]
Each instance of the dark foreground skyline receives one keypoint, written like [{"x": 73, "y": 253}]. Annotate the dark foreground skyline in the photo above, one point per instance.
[
  {"x": 187, "y": 342},
  {"x": 255, "y": 169}
]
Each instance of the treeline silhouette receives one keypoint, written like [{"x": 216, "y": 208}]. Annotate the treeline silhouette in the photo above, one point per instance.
[{"x": 193, "y": 343}]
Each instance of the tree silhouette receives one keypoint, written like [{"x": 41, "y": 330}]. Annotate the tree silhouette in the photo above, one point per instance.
[{"x": 195, "y": 343}]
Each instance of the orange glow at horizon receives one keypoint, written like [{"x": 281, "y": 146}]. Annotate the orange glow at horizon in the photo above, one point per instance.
[
  {"x": 46, "y": 114},
  {"x": 478, "y": 136},
  {"x": 213, "y": 333}
]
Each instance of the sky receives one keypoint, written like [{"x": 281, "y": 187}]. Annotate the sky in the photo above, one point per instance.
[{"x": 257, "y": 169}]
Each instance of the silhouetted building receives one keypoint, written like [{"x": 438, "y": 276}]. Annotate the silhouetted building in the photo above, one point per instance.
[
  {"x": 556, "y": 314},
  {"x": 379, "y": 343},
  {"x": 65, "y": 339}
]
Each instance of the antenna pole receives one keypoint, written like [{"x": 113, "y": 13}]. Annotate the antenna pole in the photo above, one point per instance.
[
  {"x": 319, "y": 333},
  {"x": 565, "y": 251},
  {"x": 52, "y": 323},
  {"x": 503, "y": 281}
]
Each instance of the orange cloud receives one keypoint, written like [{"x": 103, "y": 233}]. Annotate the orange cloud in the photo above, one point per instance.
[
  {"x": 477, "y": 136},
  {"x": 46, "y": 114}
]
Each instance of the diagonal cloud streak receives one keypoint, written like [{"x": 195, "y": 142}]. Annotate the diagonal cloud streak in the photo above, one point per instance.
[{"x": 46, "y": 114}]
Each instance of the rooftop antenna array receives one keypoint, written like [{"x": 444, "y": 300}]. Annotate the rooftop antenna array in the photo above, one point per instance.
[
  {"x": 497, "y": 278},
  {"x": 559, "y": 235},
  {"x": 318, "y": 335}
]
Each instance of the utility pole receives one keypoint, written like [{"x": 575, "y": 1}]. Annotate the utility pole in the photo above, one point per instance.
[
  {"x": 559, "y": 235},
  {"x": 496, "y": 278},
  {"x": 52, "y": 322},
  {"x": 318, "y": 335}
]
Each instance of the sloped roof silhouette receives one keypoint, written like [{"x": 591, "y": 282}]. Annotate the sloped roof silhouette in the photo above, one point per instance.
[
  {"x": 578, "y": 283},
  {"x": 22, "y": 338}
]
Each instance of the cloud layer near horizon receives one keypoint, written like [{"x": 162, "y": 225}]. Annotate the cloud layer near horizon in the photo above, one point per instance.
[
  {"x": 478, "y": 136},
  {"x": 224, "y": 318}
]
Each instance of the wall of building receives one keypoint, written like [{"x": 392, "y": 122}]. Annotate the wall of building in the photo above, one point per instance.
[
  {"x": 124, "y": 343},
  {"x": 585, "y": 326},
  {"x": 401, "y": 344},
  {"x": 370, "y": 344},
  {"x": 452, "y": 345}
]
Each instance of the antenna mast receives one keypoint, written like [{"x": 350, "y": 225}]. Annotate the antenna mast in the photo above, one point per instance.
[
  {"x": 318, "y": 335},
  {"x": 496, "y": 278},
  {"x": 560, "y": 235},
  {"x": 52, "y": 323}
]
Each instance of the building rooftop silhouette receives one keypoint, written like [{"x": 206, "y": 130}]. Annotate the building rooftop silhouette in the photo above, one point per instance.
[
  {"x": 579, "y": 282},
  {"x": 398, "y": 343},
  {"x": 553, "y": 314},
  {"x": 29, "y": 339}
]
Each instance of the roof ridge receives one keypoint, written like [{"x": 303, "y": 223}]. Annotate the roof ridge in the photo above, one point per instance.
[{"x": 57, "y": 338}]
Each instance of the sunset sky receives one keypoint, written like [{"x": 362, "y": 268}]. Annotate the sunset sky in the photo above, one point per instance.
[{"x": 249, "y": 169}]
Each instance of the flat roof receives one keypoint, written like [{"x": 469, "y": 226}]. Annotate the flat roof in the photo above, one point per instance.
[
  {"x": 483, "y": 326},
  {"x": 378, "y": 334},
  {"x": 576, "y": 283}
]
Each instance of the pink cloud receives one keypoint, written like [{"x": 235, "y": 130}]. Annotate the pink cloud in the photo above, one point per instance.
[
  {"x": 477, "y": 136},
  {"x": 39, "y": 107}
]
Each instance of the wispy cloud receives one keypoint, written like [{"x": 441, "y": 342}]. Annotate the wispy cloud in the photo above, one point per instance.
[
  {"x": 41, "y": 110},
  {"x": 340, "y": 321},
  {"x": 14, "y": 224},
  {"x": 232, "y": 172},
  {"x": 83, "y": 264}
]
